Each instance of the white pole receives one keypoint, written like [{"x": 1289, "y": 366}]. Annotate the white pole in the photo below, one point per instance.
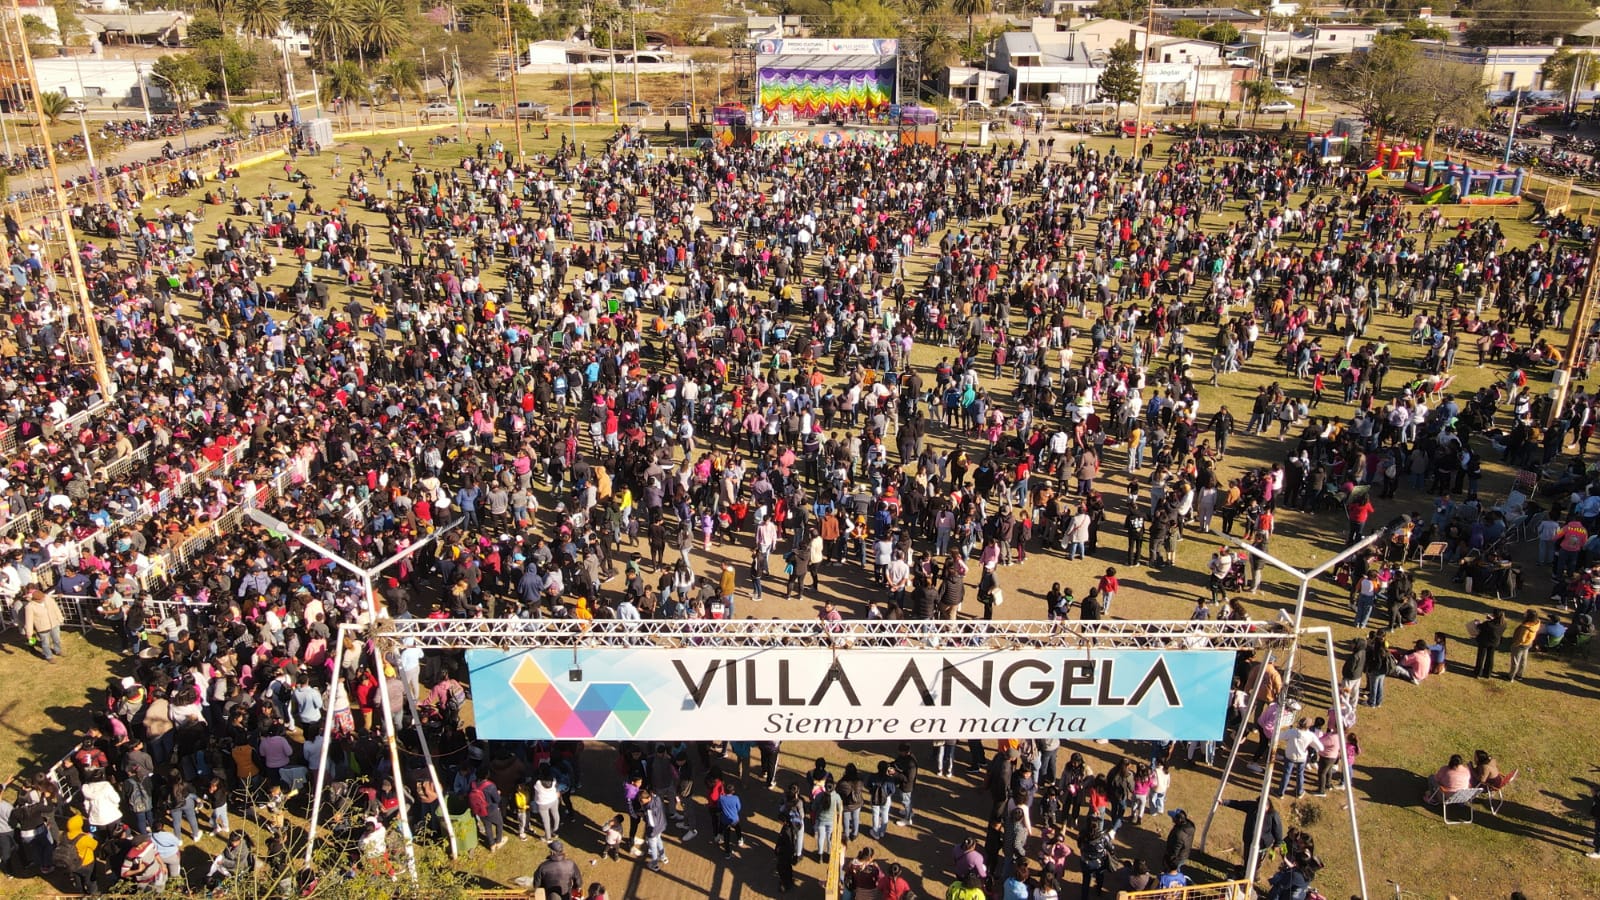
[
  {"x": 1233, "y": 751},
  {"x": 389, "y": 728},
  {"x": 327, "y": 738},
  {"x": 1349, "y": 788},
  {"x": 1253, "y": 860},
  {"x": 88, "y": 146},
  {"x": 433, "y": 775},
  {"x": 144, "y": 91}
]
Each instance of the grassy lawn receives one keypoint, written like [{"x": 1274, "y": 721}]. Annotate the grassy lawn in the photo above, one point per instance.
[{"x": 1544, "y": 727}]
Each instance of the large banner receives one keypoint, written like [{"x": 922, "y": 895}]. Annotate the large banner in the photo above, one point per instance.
[
  {"x": 782, "y": 693},
  {"x": 804, "y": 78}
]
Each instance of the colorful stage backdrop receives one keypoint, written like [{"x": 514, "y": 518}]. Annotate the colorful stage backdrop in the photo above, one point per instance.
[{"x": 801, "y": 79}]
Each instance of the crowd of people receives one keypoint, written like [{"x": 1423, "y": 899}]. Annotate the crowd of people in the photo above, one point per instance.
[{"x": 597, "y": 355}]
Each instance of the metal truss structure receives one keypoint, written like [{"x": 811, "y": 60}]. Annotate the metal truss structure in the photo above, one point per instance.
[{"x": 908, "y": 635}]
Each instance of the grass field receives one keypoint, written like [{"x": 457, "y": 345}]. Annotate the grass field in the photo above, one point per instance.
[{"x": 1544, "y": 727}]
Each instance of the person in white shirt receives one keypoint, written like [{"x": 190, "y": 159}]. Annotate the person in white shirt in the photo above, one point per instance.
[{"x": 1297, "y": 744}]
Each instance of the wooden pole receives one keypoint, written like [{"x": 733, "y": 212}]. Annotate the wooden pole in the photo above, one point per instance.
[
  {"x": 1578, "y": 338},
  {"x": 516, "y": 61},
  {"x": 80, "y": 287}
]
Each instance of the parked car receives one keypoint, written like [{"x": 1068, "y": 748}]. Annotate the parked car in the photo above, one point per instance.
[
  {"x": 1284, "y": 86},
  {"x": 1022, "y": 106},
  {"x": 679, "y": 108},
  {"x": 210, "y": 108},
  {"x": 1129, "y": 125},
  {"x": 76, "y": 106},
  {"x": 1546, "y": 108},
  {"x": 1055, "y": 102},
  {"x": 1179, "y": 107},
  {"x": 1241, "y": 62},
  {"x": 1100, "y": 107},
  {"x": 530, "y": 109},
  {"x": 1277, "y": 107},
  {"x": 438, "y": 109},
  {"x": 636, "y": 108},
  {"x": 582, "y": 108},
  {"x": 480, "y": 108},
  {"x": 974, "y": 109}
]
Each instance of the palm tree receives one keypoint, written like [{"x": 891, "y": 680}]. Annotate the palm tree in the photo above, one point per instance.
[
  {"x": 384, "y": 24},
  {"x": 346, "y": 83},
  {"x": 234, "y": 118},
  {"x": 403, "y": 77},
  {"x": 260, "y": 18},
  {"x": 970, "y": 9},
  {"x": 337, "y": 28},
  {"x": 598, "y": 87},
  {"x": 54, "y": 105}
]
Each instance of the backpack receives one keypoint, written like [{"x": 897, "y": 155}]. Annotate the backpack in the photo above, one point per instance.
[
  {"x": 65, "y": 855},
  {"x": 476, "y": 801},
  {"x": 881, "y": 790}
]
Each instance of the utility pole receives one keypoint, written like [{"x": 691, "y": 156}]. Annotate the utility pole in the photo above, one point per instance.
[
  {"x": 1144, "y": 70},
  {"x": 1577, "y": 343},
  {"x": 1311, "y": 65},
  {"x": 516, "y": 63},
  {"x": 80, "y": 287}
]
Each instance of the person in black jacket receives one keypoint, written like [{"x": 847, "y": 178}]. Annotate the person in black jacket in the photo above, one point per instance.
[
  {"x": 558, "y": 875},
  {"x": 1490, "y": 632},
  {"x": 1355, "y": 665},
  {"x": 1180, "y": 840}
]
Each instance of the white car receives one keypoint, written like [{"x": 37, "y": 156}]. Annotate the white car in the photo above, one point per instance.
[
  {"x": 1098, "y": 107},
  {"x": 1241, "y": 62},
  {"x": 1277, "y": 107},
  {"x": 439, "y": 109}
]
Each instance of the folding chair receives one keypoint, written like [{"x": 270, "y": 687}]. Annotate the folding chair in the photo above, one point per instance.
[
  {"x": 1436, "y": 550},
  {"x": 1494, "y": 791},
  {"x": 1462, "y": 798}
]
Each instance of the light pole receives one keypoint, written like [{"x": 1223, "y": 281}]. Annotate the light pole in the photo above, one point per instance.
[
  {"x": 144, "y": 91},
  {"x": 88, "y": 147},
  {"x": 155, "y": 74},
  {"x": 373, "y": 611},
  {"x": 1253, "y": 860}
]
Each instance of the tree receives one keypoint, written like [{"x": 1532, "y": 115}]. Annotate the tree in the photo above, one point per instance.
[
  {"x": 1220, "y": 33},
  {"x": 970, "y": 9},
  {"x": 69, "y": 26},
  {"x": 1187, "y": 28},
  {"x": 1453, "y": 95},
  {"x": 237, "y": 121},
  {"x": 1120, "y": 81},
  {"x": 1380, "y": 83},
  {"x": 690, "y": 20},
  {"x": 1525, "y": 21},
  {"x": 1126, "y": 10},
  {"x": 39, "y": 35},
  {"x": 1423, "y": 30},
  {"x": 1561, "y": 70},
  {"x": 862, "y": 19},
  {"x": 184, "y": 75},
  {"x": 598, "y": 87},
  {"x": 260, "y": 18},
  {"x": 347, "y": 83},
  {"x": 403, "y": 76},
  {"x": 1258, "y": 93},
  {"x": 336, "y": 28},
  {"x": 383, "y": 25},
  {"x": 54, "y": 104}
]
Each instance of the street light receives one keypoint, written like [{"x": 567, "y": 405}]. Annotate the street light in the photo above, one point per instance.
[
  {"x": 1253, "y": 860},
  {"x": 155, "y": 74},
  {"x": 366, "y": 576}
]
